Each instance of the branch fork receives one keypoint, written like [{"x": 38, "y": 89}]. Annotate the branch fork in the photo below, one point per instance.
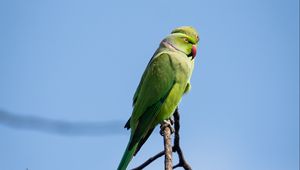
[{"x": 166, "y": 131}]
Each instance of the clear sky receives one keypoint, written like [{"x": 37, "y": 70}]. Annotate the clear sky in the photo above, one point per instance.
[{"x": 82, "y": 60}]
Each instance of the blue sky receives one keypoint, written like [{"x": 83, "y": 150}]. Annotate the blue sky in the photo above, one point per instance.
[{"x": 82, "y": 60}]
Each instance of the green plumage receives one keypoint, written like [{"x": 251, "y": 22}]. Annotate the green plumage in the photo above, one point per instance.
[{"x": 162, "y": 85}]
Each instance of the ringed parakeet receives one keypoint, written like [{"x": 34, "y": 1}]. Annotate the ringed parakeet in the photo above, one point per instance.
[{"x": 165, "y": 80}]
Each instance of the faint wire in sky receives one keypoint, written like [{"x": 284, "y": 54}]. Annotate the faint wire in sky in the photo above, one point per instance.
[{"x": 60, "y": 126}]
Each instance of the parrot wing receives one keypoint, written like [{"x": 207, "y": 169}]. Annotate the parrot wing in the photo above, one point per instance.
[
  {"x": 141, "y": 82},
  {"x": 158, "y": 81},
  {"x": 154, "y": 88},
  {"x": 127, "y": 125}
]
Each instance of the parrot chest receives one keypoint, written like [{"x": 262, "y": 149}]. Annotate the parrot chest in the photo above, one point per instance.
[{"x": 183, "y": 68}]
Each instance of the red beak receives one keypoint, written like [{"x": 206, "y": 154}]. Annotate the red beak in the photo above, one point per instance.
[{"x": 194, "y": 51}]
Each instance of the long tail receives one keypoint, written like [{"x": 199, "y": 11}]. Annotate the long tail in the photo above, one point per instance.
[{"x": 127, "y": 156}]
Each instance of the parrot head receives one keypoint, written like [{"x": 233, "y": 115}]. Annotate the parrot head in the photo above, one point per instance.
[{"x": 184, "y": 39}]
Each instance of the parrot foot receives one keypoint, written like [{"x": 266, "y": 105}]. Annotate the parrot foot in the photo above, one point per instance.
[
  {"x": 171, "y": 119},
  {"x": 166, "y": 123}
]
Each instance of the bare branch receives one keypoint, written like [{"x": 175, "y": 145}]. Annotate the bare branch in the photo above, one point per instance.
[
  {"x": 149, "y": 161},
  {"x": 166, "y": 127},
  {"x": 182, "y": 162},
  {"x": 176, "y": 148}
]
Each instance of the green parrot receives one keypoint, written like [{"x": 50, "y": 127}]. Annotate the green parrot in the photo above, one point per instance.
[{"x": 165, "y": 80}]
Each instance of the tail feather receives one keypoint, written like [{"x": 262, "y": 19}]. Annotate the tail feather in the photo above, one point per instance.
[{"x": 127, "y": 156}]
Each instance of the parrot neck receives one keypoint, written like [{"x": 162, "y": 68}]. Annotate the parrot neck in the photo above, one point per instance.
[{"x": 171, "y": 46}]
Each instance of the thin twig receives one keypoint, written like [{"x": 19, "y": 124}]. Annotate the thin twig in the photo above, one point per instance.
[
  {"x": 149, "y": 161},
  {"x": 182, "y": 162}
]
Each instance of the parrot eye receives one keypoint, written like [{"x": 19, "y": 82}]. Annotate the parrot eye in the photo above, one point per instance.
[{"x": 186, "y": 40}]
